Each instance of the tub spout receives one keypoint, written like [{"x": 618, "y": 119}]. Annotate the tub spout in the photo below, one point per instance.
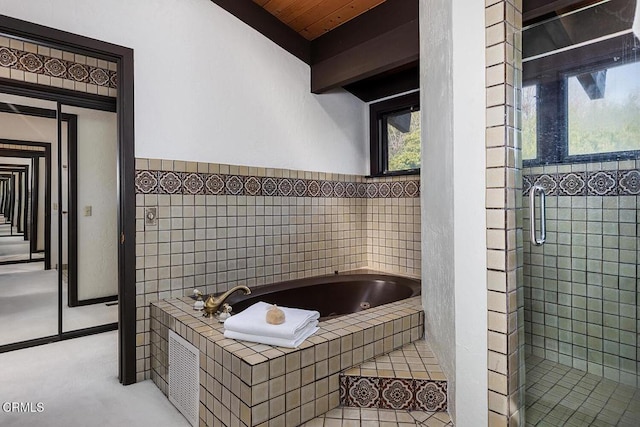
[{"x": 213, "y": 304}]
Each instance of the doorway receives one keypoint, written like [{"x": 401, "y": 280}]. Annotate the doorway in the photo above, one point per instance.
[{"x": 65, "y": 99}]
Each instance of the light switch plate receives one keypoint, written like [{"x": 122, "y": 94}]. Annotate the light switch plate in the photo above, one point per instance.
[
  {"x": 88, "y": 210},
  {"x": 151, "y": 216}
]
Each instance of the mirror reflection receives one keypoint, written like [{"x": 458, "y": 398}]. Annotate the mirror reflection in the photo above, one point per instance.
[{"x": 58, "y": 219}]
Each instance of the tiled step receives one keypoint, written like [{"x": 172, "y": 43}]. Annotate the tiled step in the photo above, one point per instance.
[
  {"x": 406, "y": 379},
  {"x": 372, "y": 417}
]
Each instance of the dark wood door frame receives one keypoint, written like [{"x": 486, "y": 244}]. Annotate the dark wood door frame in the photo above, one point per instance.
[
  {"x": 126, "y": 161},
  {"x": 4, "y": 152}
]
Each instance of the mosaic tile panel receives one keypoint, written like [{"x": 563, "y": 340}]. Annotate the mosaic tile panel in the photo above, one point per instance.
[
  {"x": 393, "y": 393},
  {"x": 33, "y": 63},
  {"x": 170, "y": 182},
  {"x": 599, "y": 183}
]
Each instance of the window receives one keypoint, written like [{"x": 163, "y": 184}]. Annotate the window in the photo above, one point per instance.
[
  {"x": 604, "y": 110},
  {"x": 588, "y": 115},
  {"x": 529, "y": 122},
  {"x": 395, "y": 136}
]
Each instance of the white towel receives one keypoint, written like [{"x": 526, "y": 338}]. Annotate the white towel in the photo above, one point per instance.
[
  {"x": 253, "y": 321},
  {"x": 311, "y": 329}
]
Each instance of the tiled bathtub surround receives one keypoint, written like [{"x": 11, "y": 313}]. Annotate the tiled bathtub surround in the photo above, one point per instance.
[
  {"x": 32, "y": 63},
  {"x": 581, "y": 286},
  {"x": 227, "y": 225},
  {"x": 247, "y": 384}
]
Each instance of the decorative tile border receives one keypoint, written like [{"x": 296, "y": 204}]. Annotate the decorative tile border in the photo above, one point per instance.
[
  {"x": 169, "y": 182},
  {"x": 22, "y": 147},
  {"x": 393, "y": 393},
  {"x": 599, "y": 183},
  {"x": 52, "y": 67}
]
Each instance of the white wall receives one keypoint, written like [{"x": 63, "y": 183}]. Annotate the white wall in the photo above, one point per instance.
[
  {"x": 209, "y": 88},
  {"x": 97, "y": 187},
  {"x": 453, "y": 202}
]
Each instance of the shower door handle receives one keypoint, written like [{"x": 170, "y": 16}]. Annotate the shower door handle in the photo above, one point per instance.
[{"x": 532, "y": 215}]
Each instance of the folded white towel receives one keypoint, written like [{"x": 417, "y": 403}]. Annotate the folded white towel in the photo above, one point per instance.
[
  {"x": 311, "y": 329},
  {"x": 253, "y": 321}
]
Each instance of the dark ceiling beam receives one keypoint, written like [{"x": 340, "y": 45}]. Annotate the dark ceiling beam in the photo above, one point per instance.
[
  {"x": 533, "y": 10},
  {"x": 259, "y": 19},
  {"x": 379, "y": 20},
  {"x": 389, "y": 51},
  {"x": 384, "y": 39}
]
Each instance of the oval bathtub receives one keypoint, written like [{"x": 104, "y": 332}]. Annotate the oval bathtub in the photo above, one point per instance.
[{"x": 332, "y": 296}]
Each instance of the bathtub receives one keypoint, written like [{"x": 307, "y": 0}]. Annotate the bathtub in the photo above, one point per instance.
[{"x": 332, "y": 296}]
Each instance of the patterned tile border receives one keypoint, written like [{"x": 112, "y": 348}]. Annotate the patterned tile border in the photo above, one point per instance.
[
  {"x": 169, "y": 182},
  {"x": 22, "y": 147},
  {"x": 393, "y": 393},
  {"x": 600, "y": 183},
  {"x": 55, "y": 64},
  {"x": 55, "y": 67}
]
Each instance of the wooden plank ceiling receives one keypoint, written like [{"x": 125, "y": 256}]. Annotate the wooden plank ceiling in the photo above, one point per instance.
[{"x": 313, "y": 18}]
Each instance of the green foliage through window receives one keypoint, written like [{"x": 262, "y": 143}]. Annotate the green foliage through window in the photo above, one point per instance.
[
  {"x": 395, "y": 135},
  {"x": 529, "y": 122},
  {"x": 608, "y": 123},
  {"x": 403, "y": 141}
]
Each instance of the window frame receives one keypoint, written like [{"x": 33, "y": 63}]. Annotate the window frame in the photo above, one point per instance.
[{"x": 379, "y": 154}]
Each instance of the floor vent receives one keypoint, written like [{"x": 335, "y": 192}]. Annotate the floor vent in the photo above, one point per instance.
[{"x": 184, "y": 377}]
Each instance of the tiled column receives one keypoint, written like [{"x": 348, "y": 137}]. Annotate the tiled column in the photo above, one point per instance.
[{"x": 503, "y": 19}]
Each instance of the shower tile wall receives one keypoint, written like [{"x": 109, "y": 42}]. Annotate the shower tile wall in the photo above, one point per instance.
[
  {"x": 32, "y": 63},
  {"x": 505, "y": 305},
  {"x": 219, "y": 226},
  {"x": 581, "y": 286}
]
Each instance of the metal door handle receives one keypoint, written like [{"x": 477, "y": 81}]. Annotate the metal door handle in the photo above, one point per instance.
[{"x": 532, "y": 215}]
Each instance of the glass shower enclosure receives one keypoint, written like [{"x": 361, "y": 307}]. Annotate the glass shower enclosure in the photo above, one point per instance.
[{"x": 580, "y": 121}]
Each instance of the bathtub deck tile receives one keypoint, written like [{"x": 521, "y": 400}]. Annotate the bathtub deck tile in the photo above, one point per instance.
[{"x": 234, "y": 369}]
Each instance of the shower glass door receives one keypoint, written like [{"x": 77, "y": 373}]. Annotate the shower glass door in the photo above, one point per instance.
[{"x": 580, "y": 109}]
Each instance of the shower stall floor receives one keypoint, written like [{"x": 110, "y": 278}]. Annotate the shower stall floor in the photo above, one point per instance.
[{"x": 558, "y": 395}]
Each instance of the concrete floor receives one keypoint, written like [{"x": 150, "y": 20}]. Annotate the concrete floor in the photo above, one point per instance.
[
  {"x": 15, "y": 248},
  {"x": 12, "y": 246},
  {"x": 29, "y": 305},
  {"x": 76, "y": 383}
]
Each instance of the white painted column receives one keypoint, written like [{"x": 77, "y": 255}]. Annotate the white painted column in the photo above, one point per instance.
[{"x": 453, "y": 199}]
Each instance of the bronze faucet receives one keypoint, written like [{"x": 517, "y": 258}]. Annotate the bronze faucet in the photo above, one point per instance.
[{"x": 213, "y": 304}]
